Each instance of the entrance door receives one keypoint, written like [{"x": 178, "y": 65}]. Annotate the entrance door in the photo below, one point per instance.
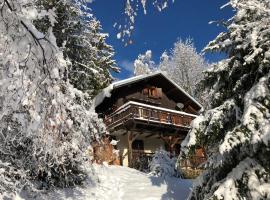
[
  {"x": 139, "y": 160},
  {"x": 137, "y": 145}
]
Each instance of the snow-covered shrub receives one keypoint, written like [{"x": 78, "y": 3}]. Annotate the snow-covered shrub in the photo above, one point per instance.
[
  {"x": 45, "y": 124},
  {"x": 162, "y": 164}
]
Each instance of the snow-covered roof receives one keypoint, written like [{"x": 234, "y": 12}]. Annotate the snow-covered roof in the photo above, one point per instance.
[{"x": 106, "y": 92}]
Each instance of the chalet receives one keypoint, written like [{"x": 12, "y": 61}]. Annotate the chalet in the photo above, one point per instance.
[{"x": 144, "y": 113}]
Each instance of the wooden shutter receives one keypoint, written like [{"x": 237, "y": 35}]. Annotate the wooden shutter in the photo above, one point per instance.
[
  {"x": 159, "y": 92},
  {"x": 145, "y": 91},
  {"x": 154, "y": 92}
]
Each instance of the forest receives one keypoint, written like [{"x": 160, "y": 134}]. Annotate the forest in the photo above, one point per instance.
[{"x": 55, "y": 58}]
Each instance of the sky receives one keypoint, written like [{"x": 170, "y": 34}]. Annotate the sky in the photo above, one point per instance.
[{"x": 157, "y": 31}]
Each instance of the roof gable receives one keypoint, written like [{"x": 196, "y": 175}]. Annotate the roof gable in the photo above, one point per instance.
[{"x": 130, "y": 81}]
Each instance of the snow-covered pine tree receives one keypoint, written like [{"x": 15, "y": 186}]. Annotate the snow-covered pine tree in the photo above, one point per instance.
[
  {"x": 45, "y": 124},
  {"x": 235, "y": 131},
  {"x": 79, "y": 35}
]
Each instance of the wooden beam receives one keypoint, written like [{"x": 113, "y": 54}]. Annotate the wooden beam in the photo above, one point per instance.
[
  {"x": 171, "y": 141},
  {"x": 129, "y": 140},
  {"x": 142, "y": 133},
  {"x": 156, "y": 125},
  {"x": 150, "y": 135},
  {"x": 134, "y": 136},
  {"x": 131, "y": 136},
  {"x": 171, "y": 90},
  {"x": 174, "y": 141}
]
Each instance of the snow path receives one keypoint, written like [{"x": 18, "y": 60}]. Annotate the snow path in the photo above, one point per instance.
[
  {"x": 123, "y": 183},
  {"x": 126, "y": 183}
]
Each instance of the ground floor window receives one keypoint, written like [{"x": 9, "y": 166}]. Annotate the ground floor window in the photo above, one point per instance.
[{"x": 138, "y": 145}]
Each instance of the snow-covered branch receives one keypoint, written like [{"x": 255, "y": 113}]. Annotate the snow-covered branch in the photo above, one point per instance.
[{"x": 45, "y": 123}]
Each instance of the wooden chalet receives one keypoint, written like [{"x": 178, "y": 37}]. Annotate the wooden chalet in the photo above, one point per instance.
[{"x": 144, "y": 113}]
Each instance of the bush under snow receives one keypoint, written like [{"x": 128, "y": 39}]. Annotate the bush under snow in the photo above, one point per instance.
[{"x": 162, "y": 164}]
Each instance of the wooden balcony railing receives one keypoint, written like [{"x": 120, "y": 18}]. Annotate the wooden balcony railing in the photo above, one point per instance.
[{"x": 144, "y": 112}]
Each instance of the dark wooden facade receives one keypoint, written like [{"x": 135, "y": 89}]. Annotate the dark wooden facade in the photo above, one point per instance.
[
  {"x": 138, "y": 91},
  {"x": 148, "y": 107}
]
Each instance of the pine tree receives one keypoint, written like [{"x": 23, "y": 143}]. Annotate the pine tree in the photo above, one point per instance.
[
  {"x": 235, "y": 131},
  {"x": 79, "y": 35}
]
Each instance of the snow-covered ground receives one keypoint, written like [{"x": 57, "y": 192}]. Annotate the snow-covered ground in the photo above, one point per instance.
[{"x": 123, "y": 183}]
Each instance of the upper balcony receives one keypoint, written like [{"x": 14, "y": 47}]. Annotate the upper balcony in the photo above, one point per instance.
[{"x": 133, "y": 113}]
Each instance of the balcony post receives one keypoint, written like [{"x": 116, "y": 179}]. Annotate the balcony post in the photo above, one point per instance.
[
  {"x": 171, "y": 141},
  {"x": 129, "y": 138}
]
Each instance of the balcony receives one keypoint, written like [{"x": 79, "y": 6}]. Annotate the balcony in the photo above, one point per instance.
[{"x": 147, "y": 114}]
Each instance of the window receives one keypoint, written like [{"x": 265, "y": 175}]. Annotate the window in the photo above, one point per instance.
[
  {"x": 153, "y": 92},
  {"x": 137, "y": 145}
]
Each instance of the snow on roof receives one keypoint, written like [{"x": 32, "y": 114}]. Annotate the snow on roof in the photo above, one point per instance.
[
  {"x": 106, "y": 92},
  {"x": 134, "y": 79}
]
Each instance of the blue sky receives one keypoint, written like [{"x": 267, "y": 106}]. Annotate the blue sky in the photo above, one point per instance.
[{"x": 157, "y": 31}]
